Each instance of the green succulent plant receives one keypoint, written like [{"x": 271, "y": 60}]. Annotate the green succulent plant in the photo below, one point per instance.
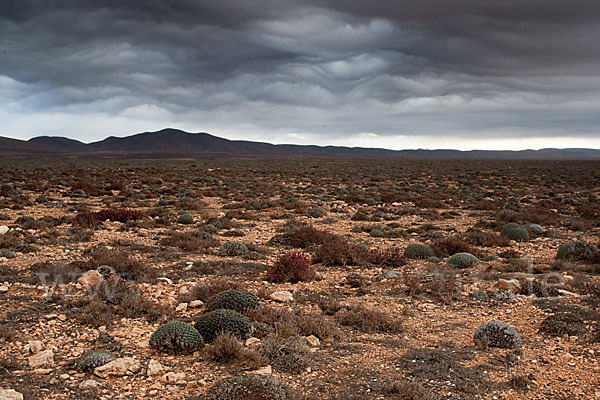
[
  {"x": 497, "y": 334},
  {"x": 515, "y": 232},
  {"x": 185, "y": 219},
  {"x": 417, "y": 250},
  {"x": 177, "y": 337},
  {"x": 235, "y": 300},
  {"x": 462, "y": 260},
  {"x": 578, "y": 250},
  {"x": 211, "y": 324}
]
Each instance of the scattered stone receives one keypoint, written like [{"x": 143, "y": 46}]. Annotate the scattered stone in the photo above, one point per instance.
[
  {"x": 262, "y": 371},
  {"x": 7, "y": 253},
  {"x": 4, "y": 229},
  {"x": 252, "y": 342},
  {"x": 182, "y": 307},
  {"x": 118, "y": 367},
  {"x": 89, "y": 384},
  {"x": 34, "y": 346},
  {"x": 512, "y": 285},
  {"x": 42, "y": 359},
  {"x": 90, "y": 279},
  {"x": 165, "y": 280},
  {"x": 3, "y": 289},
  {"x": 313, "y": 341},
  {"x": 391, "y": 275},
  {"x": 155, "y": 368},
  {"x": 10, "y": 394},
  {"x": 178, "y": 378},
  {"x": 282, "y": 296},
  {"x": 196, "y": 304}
]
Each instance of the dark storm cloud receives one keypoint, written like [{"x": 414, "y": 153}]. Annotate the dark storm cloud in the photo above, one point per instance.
[{"x": 316, "y": 67}]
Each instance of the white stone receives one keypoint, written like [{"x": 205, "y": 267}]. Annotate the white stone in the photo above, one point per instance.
[
  {"x": 178, "y": 378},
  {"x": 282, "y": 296},
  {"x": 118, "y": 367},
  {"x": 252, "y": 342},
  {"x": 262, "y": 371},
  {"x": 313, "y": 341},
  {"x": 10, "y": 394},
  {"x": 34, "y": 346},
  {"x": 155, "y": 368},
  {"x": 512, "y": 285},
  {"x": 4, "y": 229},
  {"x": 3, "y": 289},
  {"x": 196, "y": 304},
  {"x": 182, "y": 307},
  {"x": 42, "y": 359},
  {"x": 89, "y": 384},
  {"x": 165, "y": 280}
]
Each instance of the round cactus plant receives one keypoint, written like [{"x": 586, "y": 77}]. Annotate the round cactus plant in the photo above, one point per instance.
[
  {"x": 186, "y": 219},
  {"x": 497, "y": 334},
  {"x": 579, "y": 250},
  {"x": 176, "y": 337},
  {"x": 233, "y": 248},
  {"x": 462, "y": 260},
  {"x": 211, "y": 324},
  {"x": 515, "y": 232},
  {"x": 94, "y": 359},
  {"x": 417, "y": 250},
  {"x": 235, "y": 300}
]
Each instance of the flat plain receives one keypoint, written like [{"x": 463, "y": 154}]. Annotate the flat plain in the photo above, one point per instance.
[{"x": 367, "y": 279}]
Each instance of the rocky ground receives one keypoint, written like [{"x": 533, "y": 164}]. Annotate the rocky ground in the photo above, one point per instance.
[{"x": 97, "y": 255}]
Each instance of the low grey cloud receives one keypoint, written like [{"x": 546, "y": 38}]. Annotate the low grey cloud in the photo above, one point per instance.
[{"x": 310, "y": 71}]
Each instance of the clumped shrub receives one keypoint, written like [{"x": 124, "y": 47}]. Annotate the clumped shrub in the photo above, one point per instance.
[
  {"x": 417, "y": 250},
  {"x": 404, "y": 389},
  {"x": 235, "y": 300},
  {"x": 340, "y": 253},
  {"x": 189, "y": 241},
  {"x": 185, "y": 219},
  {"x": 177, "y": 337},
  {"x": 450, "y": 246},
  {"x": 515, "y": 232},
  {"x": 124, "y": 266},
  {"x": 368, "y": 320},
  {"x": 293, "y": 267},
  {"x": 205, "y": 290},
  {"x": 250, "y": 387},
  {"x": 578, "y": 250},
  {"x": 292, "y": 357},
  {"x": 233, "y": 248},
  {"x": 227, "y": 348},
  {"x": 211, "y": 324},
  {"x": 92, "y": 360},
  {"x": 462, "y": 260},
  {"x": 563, "y": 324},
  {"x": 497, "y": 334},
  {"x": 121, "y": 215},
  {"x": 389, "y": 258},
  {"x": 303, "y": 236},
  {"x": 486, "y": 239}
]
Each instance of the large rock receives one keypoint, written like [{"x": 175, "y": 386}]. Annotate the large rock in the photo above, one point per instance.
[
  {"x": 4, "y": 229},
  {"x": 118, "y": 367},
  {"x": 90, "y": 279},
  {"x": 42, "y": 359},
  {"x": 283, "y": 296},
  {"x": 511, "y": 285},
  {"x": 10, "y": 394}
]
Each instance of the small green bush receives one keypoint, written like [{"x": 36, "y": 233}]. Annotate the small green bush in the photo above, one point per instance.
[
  {"x": 578, "y": 250},
  {"x": 234, "y": 300},
  {"x": 211, "y": 324},
  {"x": 417, "y": 250},
  {"x": 515, "y": 232},
  {"x": 185, "y": 219},
  {"x": 177, "y": 337},
  {"x": 233, "y": 248},
  {"x": 462, "y": 260}
]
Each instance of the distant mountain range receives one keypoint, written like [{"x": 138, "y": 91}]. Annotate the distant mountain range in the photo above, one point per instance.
[{"x": 176, "y": 143}]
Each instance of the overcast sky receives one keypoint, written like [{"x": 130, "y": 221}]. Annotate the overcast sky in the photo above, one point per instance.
[{"x": 397, "y": 74}]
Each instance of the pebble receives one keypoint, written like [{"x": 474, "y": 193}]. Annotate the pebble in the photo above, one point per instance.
[
  {"x": 196, "y": 303},
  {"x": 313, "y": 341},
  {"x": 178, "y": 378},
  {"x": 282, "y": 296},
  {"x": 42, "y": 359},
  {"x": 90, "y": 279},
  {"x": 4, "y": 229},
  {"x": 34, "y": 346},
  {"x": 10, "y": 394},
  {"x": 262, "y": 371},
  {"x": 182, "y": 307},
  {"x": 89, "y": 384},
  {"x": 251, "y": 342},
  {"x": 3, "y": 289},
  {"x": 155, "y": 368}
]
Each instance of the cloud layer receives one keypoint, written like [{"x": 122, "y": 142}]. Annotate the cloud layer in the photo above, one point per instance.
[{"x": 463, "y": 74}]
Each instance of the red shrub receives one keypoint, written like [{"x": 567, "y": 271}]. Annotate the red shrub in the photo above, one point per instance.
[
  {"x": 121, "y": 215},
  {"x": 450, "y": 246},
  {"x": 339, "y": 253},
  {"x": 86, "y": 219},
  {"x": 292, "y": 267},
  {"x": 304, "y": 236}
]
